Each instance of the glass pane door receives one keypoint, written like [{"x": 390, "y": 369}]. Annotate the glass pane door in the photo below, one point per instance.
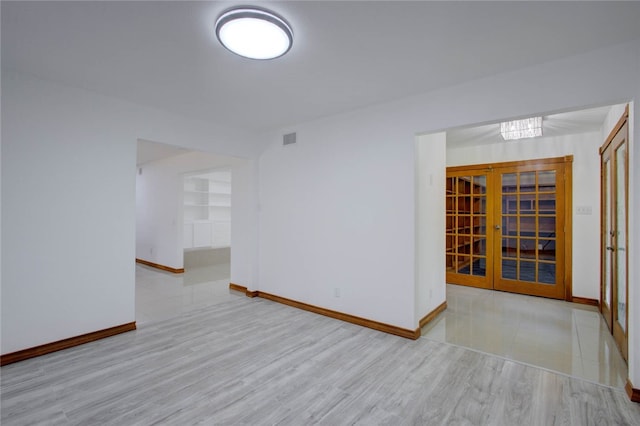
[
  {"x": 607, "y": 241},
  {"x": 621, "y": 237},
  {"x": 466, "y": 230},
  {"x": 620, "y": 240},
  {"x": 529, "y": 220},
  {"x": 614, "y": 278}
]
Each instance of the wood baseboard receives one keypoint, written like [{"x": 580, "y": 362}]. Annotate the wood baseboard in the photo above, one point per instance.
[
  {"x": 375, "y": 325},
  {"x": 236, "y": 287},
  {"x": 158, "y": 266},
  {"x": 634, "y": 394},
  {"x": 65, "y": 344},
  {"x": 431, "y": 315},
  {"x": 585, "y": 301},
  {"x": 242, "y": 289}
]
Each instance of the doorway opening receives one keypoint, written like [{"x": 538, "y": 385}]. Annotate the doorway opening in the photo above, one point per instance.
[
  {"x": 183, "y": 229},
  {"x": 568, "y": 337},
  {"x": 207, "y": 221}
]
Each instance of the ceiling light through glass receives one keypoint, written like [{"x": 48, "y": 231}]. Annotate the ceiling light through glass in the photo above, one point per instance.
[
  {"x": 520, "y": 129},
  {"x": 254, "y": 33}
]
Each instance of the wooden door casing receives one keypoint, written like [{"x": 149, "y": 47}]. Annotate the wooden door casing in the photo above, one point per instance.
[{"x": 614, "y": 246}]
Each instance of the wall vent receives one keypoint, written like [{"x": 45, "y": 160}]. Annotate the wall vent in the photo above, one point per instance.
[{"x": 288, "y": 139}]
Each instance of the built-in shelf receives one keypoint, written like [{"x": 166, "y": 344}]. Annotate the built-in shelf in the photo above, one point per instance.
[{"x": 207, "y": 210}]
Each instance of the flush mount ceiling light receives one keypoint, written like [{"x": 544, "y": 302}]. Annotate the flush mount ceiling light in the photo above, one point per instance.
[
  {"x": 254, "y": 33},
  {"x": 520, "y": 129}
]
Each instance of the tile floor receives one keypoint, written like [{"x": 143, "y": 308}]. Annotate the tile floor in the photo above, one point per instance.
[
  {"x": 161, "y": 295},
  {"x": 565, "y": 337},
  {"x": 559, "y": 336}
]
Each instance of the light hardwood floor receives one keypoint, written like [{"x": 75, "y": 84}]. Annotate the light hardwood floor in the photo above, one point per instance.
[{"x": 254, "y": 362}]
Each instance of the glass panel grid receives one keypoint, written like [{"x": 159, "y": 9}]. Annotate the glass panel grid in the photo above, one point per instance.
[
  {"x": 466, "y": 224},
  {"x": 528, "y": 226}
]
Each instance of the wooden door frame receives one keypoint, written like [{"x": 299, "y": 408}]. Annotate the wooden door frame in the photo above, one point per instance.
[
  {"x": 617, "y": 330},
  {"x": 624, "y": 119},
  {"x": 568, "y": 206}
]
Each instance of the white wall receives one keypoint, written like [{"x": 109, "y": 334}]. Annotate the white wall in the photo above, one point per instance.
[
  {"x": 159, "y": 204},
  {"x": 586, "y": 192},
  {"x": 431, "y": 289},
  {"x": 158, "y": 213},
  {"x": 330, "y": 218},
  {"x": 244, "y": 225},
  {"x": 336, "y": 210},
  {"x": 68, "y": 193}
]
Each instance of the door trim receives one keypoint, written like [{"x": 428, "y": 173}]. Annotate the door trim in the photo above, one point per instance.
[{"x": 491, "y": 166}]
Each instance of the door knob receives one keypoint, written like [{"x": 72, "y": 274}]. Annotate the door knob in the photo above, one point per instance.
[
  {"x": 611, "y": 249},
  {"x": 497, "y": 227}
]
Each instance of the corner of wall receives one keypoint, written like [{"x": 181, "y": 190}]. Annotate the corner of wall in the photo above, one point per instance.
[{"x": 430, "y": 286}]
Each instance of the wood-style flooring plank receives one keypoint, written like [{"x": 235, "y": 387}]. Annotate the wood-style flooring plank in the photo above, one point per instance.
[{"x": 255, "y": 362}]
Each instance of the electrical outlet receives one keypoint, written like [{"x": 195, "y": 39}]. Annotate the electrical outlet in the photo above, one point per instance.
[
  {"x": 336, "y": 292},
  {"x": 583, "y": 210}
]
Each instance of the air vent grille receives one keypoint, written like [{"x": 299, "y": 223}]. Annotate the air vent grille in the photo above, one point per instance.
[{"x": 288, "y": 139}]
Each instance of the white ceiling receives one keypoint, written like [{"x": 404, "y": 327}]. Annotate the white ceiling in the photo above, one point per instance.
[
  {"x": 345, "y": 55},
  {"x": 153, "y": 151},
  {"x": 568, "y": 123}
]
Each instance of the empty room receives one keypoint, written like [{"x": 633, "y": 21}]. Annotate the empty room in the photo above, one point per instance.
[{"x": 428, "y": 212}]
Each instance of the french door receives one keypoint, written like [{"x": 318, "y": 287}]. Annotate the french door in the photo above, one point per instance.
[
  {"x": 467, "y": 238},
  {"x": 614, "y": 237},
  {"x": 505, "y": 226}
]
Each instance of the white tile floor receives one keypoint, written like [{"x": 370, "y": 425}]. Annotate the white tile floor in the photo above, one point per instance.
[
  {"x": 161, "y": 295},
  {"x": 565, "y": 337},
  {"x": 560, "y": 336}
]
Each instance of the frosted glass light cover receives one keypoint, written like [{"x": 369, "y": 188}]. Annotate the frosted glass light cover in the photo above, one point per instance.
[
  {"x": 520, "y": 129},
  {"x": 254, "y": 33}
]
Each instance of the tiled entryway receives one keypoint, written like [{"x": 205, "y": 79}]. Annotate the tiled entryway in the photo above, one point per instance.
[{"x": 565, "y": 337}]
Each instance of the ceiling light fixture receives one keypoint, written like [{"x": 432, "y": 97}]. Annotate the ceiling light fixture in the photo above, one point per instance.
[
  {"x": 520, "y": 129},
  {"x": 254, "y": 33}
]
